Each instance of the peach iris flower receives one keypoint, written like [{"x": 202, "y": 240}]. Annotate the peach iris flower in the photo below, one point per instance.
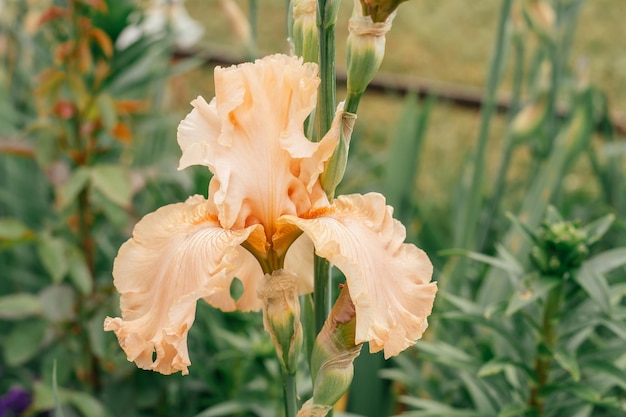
[{"x": 265, "y": 211}]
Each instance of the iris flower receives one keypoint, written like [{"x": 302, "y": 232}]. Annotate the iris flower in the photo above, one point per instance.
[{"x": 265, "y": 211}]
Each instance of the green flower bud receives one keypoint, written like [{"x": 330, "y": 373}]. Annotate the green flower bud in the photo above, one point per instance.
[
  {"x": 281, "y": 316},
  {"x": 342, "y": 126},
  {"x": 530, "y": 119},
  {"x": 334, "y": 353},
  {"x": 365, "y": 51},
  {"x": 560, "y": 247},
  {"x": 541, "y": 19},
  {"x": 304, "y": 32}
]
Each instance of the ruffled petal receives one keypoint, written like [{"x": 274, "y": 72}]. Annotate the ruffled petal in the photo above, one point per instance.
[
  {"x": 299, "y": 260},
  {"x": 388, "y": 280},
  {"x": 264, "y": 165},
  {"x": 177, "y": 255},
  {"x": 193, "y": 133}
]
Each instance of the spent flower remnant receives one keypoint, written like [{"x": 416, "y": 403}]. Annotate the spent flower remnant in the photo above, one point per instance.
[{"x": 265, "y": 210}]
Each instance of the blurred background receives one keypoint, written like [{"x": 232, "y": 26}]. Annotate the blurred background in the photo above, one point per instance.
[{"x": 495, "y": 128}]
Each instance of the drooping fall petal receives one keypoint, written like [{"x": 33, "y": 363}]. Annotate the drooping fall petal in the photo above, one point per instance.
[
  {"x": 252, "y": 138},
  {"x": 177, "y": 255},
  {"x": 388, "y": 280}
]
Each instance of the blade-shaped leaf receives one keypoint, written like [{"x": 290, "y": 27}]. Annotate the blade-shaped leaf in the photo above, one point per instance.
[{"x": 538, "y": 287}]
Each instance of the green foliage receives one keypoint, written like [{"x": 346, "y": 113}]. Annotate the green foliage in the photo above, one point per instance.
[{"x": 531, "y": 316}]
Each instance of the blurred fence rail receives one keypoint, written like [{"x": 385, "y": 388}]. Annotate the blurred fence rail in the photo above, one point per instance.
[{"x": 458, "y": 95}]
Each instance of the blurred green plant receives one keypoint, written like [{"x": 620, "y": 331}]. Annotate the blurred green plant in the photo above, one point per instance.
[
  {"x": 553, "y": 348},
  {"x": 536, "y": 327},
  {"x": 82, "y": 129}
]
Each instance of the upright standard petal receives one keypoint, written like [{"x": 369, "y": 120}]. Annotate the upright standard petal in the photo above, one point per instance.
[
  {"x": 264, "y": 165},
  {"x": 177, "y": 255},
  {"x": 388, "y": 280},
  {"x": 194, "y": 131}
]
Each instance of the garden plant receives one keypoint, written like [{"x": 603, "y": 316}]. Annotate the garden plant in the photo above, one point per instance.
[{"x": 259, "y": 253}]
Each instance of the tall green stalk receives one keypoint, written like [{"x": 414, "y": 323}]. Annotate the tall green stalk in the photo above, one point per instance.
[
  {"x": 326, "y": 17},
  {"x": 509, "y": 146},
  {"x": 471, "y": 208},
  {"x": 548, "y": 339},
  {"x": 291, "y": 394}
]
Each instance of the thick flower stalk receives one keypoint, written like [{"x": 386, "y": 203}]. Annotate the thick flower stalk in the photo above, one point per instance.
[{"x": 265, "y": 211}]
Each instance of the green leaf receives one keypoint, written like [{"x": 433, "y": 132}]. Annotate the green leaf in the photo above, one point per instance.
[
  {"x": 79, "y": 271},
  {"x": 46, "y": 397},
  {"x": 68, "y": 192},
  {"x": 495, "y": 366},
  {"x": 424, "y": 404},
  {"x": 553, "y": 215},
  {"x": 596, "y": 229},
  {"x": 595, "y": 285},
  {"x": 108, "y": 112},
  {"x": 442, "y": 413},
  {"x": 447, "y": 354},
  {"x": 616, "y": 327},
  {"x": 433, "y": 408},
  {"x": 607, "y": 260},
  {"x": 225, "y": 409},
  {"x": 58, "y": 411},
  {"x": 512, "y": 268},
  {"x": 113, "y": 181},
  {"x": 13, "y": 229},
  {"x": 24, "y": 342},
  {"x": 19, "y": 306},
  {"x": 567, "y": 360},
  {"x": 490, "y": 324},
  {"x": 86, "y": 404},
  {"x": 479, "y": 391},
  {"x": 52, "y": 254},
  {"x": 58, "y": 303},
  {"x": 462, "y": 304},
  {"x": 609, "y": 370},
  {"x": 517, "y": 411},
  {"x": 538, "y": 287},
  {"x": 97, "y": 339}
]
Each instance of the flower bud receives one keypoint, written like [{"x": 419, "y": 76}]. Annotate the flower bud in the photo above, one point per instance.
[
  {"x": 560, "y": 247},
  {"x": 530, "y": 118},
  {"x": 365, "y": 51},
  {"x": 342, "y": 126},
  {"x": 304, "y": 32},
  {"x": 541, "y": 19},
  {"x": 380, "y": 10},
  {"x": 281, "y": 316},
  {"x": 334, "y": 353}
]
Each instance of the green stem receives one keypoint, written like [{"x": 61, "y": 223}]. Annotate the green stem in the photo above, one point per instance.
[
  {"x": 291, "y": 394},
  {"x": 472, "y": 207},
  {"x": 324, "y": 117},
  {"x": 326, "y": 97},
  {"x": 322, "y": 298},
  {"x": 548, "y": 339},
  {"x": 352, "y": 102},
  {"x": 498, "y": 189}
]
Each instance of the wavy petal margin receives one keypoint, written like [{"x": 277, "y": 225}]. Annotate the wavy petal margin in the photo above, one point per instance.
[
  {"x": 251, "y": 136},
  {"x": 177, "y": 255},
  {"x": 388, "y": 280}
]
